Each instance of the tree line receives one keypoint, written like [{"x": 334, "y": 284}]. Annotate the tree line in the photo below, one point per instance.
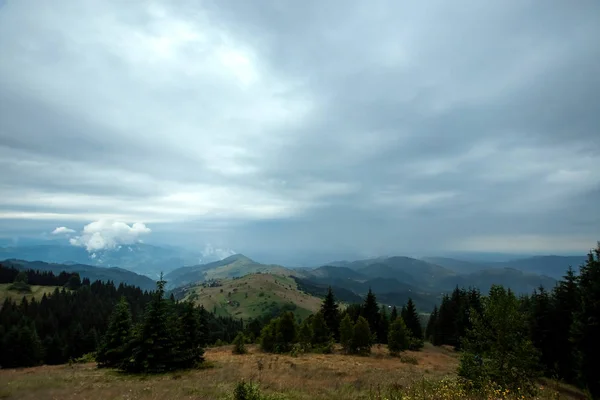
[
  {"x": 511, "y": 340},
  {"x": 72, "y": 320}
]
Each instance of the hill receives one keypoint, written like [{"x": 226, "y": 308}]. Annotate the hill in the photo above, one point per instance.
[
  {"x": 251, "y": 296},
  {"x": 231, "y": 267},
  {"x": 117, "y": 275}
]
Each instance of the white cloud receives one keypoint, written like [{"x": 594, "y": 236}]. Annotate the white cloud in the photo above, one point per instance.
[
  {"x": 107, "y": 234},
  {"x": 211, "y": 253},
  {"x": 61, "y": 230}
]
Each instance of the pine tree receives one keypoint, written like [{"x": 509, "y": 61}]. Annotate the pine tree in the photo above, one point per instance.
[
  {"x": 21, "y": 346},
  {"x": 412, "y": 321},
  {"x": 565, "y": 303},
  {"x": 430, "y": 330},
  {"x": 155, "y": 349},
  {"x": 394, "y": 314},
  {"x": 190, "y": 337},
  {"x": 370, "y": 312},
  {"x": 362, "y": 340},
  {"x": 115, "y": 346},
  {"x": 346, "y": 333},
  {"x": 541, "y": 326},
  {"x": 331, "y": 313},
  {"x": 586, "y": 325},
  {"x": 398, "y": 337}
]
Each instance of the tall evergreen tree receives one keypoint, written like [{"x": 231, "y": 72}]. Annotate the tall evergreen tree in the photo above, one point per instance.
[
  {"x": 393, "y": 314},
  {"x": 412, "y": 321},
  {"x": 431, "y": 324},
  {"x": 586, "y": 326},
  {"x": 370, "y": 311},
  {"x": 305, "y": 335},
  {"x": 190, "y": 336},
  {"x": 115, "y": 346},
  {"x": 154, "y": 345},
  {"x": 331, "y": 313},
  {"x": 565, "y": 304},
  {"x": 384, "y": 325},
  {"x": 541, "y": 326}
]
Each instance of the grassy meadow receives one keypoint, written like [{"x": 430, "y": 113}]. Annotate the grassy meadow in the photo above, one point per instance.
[
  {"x": 36, "y": 292},
  {"x": 253, "y": 295},
  {"x": 427, "y": 374}
]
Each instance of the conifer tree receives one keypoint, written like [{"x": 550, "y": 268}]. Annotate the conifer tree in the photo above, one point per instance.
[
  {"x": 565, "y": 305},
  {"x": 346, "y": 333},
  {"x": 331, "y": 313},
  {"x": 21, "y": 346},
  {"x": 430, "y": 330},
  {"x": 361, "y": 340},
  {"x": 412, "y": 321},
  {"x": 155, "y": 347},
  {"x": 586, "y": 326},
  {"x": 393, "y": 314},
  {"x": 398, "y": 337},
  {"x": 370, "y": 312},
  {"x": 115, "y": 346},
  {"x": 190, "y": 337}
]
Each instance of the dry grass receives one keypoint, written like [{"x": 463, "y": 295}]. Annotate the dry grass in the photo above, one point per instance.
[{"x": 311, "y": 376}]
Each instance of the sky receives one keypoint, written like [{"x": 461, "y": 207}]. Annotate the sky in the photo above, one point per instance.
[{"x": 276, "y": 127}]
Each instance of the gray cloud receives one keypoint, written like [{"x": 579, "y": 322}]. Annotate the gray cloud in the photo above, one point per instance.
[{"x": 343, "y": 127}]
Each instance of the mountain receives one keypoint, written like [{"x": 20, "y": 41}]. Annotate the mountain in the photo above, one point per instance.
[
  {"x": 117, "y": 275},
  {"x": 328, "y": 271},
  {"x": 139, "y": 257},
  {"x": 234, "y": 266},
  {"x": 458, "y": 266},
  {"x": 553, "y": 266},
  {"x": 518, "y": 281},
  {"x": 405, "y": 269},
  {"x": 251, "y": 296}
]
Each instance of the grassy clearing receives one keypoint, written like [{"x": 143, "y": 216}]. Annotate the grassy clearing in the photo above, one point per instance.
[
  {"x": 36, "y": 291},
  {"x": 311, "y": 376},
  {"x": 254, "y": 295}
]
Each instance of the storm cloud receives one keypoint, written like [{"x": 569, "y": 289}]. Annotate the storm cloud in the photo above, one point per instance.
[{"x": 380, "y": 127}]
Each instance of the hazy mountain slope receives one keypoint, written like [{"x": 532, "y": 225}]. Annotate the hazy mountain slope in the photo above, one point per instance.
[
  {"x": 553, "y": 266},
  {"x": 234, "y": 266},
  {"x": 252, "y": 296},
  {"x": 328, "y": 271},
  {"x": 117, "y": 275},
  {"x": 458, "y": 266},
  {"x": 141, "y": 258},
  {"x": 518, "y": 281}
]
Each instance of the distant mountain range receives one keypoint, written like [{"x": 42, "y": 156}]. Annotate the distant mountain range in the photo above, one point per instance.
[
  {"x": 141, "y": 258},
  {"x": 393, "y": 279},
  {"x": 117, "y": 275}
]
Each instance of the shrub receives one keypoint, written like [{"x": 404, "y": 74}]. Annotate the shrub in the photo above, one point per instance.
[
  {"x": 246, "y": 391},
  {"x": 239, "y": 344},
  {"x": 398, "y": 337}
]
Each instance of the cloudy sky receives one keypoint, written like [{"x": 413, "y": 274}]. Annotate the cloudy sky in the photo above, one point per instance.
[{"x": 315, "y": 126}]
